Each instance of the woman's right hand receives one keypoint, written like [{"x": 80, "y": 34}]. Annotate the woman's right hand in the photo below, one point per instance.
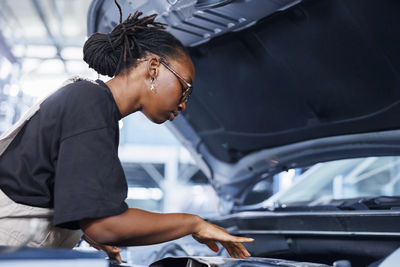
[
  {"x": 112, "y": 251},
  {"x": 208, "y": 234}
]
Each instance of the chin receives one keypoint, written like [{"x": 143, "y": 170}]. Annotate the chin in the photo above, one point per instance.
[{"x": 158, "y": 120}]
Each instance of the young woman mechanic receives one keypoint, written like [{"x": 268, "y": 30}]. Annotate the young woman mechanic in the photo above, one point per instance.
[{"x": 62, "y": 167}]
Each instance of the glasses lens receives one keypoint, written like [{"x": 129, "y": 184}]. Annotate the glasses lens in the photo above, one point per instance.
[{"x": 186, "y": 94}]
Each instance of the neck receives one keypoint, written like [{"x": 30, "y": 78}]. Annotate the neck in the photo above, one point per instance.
[{"x": 126, "y": 91}]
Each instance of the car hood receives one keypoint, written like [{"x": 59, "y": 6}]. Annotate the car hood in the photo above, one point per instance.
[
  {"x": 229, "y": 262},
  {"x": 280, "y": 84}
]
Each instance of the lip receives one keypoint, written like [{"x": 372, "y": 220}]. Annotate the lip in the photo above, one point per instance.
[{"x": 172, "y": 116}]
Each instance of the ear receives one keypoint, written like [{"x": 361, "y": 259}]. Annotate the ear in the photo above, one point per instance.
[{"x": 153, "y": 67}]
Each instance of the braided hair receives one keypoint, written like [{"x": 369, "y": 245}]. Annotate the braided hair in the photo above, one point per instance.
[{"x": 113, "y": 53}]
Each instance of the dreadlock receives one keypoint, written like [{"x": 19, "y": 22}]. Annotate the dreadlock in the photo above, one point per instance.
[{"x": 113, "y": 53}]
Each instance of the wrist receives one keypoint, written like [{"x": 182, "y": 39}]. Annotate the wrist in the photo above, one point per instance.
[{"x": 196, "y": 225}]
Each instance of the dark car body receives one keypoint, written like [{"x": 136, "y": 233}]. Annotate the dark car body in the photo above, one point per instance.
[{"x": 287, "y": 84}]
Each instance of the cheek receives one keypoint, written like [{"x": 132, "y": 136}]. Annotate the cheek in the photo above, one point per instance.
[
  {"x": 168, "y": 97},
  {"x": 161, "y": 105},
  {"x": 169, "y": 90}
]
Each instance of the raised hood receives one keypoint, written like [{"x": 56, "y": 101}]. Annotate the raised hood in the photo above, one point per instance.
[{"x": 294, "y": 82}]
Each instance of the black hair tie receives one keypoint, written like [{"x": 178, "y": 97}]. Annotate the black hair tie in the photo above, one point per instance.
[{"x": 109, "y": 41}]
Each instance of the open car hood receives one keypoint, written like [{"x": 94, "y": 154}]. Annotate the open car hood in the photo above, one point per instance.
[{"x": 281, "y": 84}]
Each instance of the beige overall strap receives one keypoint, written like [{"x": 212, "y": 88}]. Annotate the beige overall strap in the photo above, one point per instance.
[
  {"x": 17, "y": 221},
  {"x": 9, "y": 135}
]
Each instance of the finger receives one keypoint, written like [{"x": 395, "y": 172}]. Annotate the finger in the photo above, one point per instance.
[
  {"x": 237, "y": 249},
  {"x": 226, "y": 237},
  {"x": 113, "y": 253},
  {"x": 243, "y": 249},
  {"x": 213, "y": 246},
  {"x": 240, "y": 253},
  {"x": 240, "y": 239},
  {"x": 229, "y": 248},
  {"x": 195, "y": 237},
  {"x": 113, "y": 249},
  {"x": 230, "y": 252},
  {"x": 237, "y": 252},
  {"x": 118, "y": 258}
]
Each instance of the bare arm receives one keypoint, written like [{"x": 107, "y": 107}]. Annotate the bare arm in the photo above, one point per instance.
[{"x": 140, "y": 227}]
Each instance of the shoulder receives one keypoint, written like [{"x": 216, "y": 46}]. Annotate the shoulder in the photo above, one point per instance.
[
  {"x": 81, "y": 105},
  {"x": 81, "y": 94},
  {"x": 82, "y": 89}
]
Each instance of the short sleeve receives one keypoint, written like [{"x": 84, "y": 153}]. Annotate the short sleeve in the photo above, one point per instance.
[{"x": 89, "y": 179}]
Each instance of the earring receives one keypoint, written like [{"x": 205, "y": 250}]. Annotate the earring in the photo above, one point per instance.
[{"x": 152, "y": 87}]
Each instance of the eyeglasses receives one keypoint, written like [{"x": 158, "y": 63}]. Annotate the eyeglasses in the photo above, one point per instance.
[{"x": 186, "y": 92}]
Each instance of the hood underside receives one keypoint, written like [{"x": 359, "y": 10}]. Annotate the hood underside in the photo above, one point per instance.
[
  {"x": 319, "y": 69},
  {"x": 318, "y": 81},
  {"x": 275, "y": 85}
]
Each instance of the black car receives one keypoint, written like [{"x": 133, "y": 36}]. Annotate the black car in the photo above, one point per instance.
[{"x": 310, "y": 85}]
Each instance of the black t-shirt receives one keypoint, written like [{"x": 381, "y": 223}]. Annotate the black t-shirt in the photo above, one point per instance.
[{"x": 66, "y": 156}]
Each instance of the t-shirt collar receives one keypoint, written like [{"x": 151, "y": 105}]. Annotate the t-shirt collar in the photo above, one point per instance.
[{"x": 101, "y": 83}]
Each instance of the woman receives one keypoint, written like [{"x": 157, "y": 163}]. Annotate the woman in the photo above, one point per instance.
[{"x": 61, "y": 166}]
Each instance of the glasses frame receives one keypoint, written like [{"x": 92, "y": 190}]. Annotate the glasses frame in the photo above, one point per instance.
[{"x": 185, "y": 92}]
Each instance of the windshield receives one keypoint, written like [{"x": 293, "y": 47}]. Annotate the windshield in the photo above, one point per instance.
[{"x": 343, "y": 179}]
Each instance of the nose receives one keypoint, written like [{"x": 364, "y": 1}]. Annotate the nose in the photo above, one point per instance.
[{"x": 182, "y": 107}]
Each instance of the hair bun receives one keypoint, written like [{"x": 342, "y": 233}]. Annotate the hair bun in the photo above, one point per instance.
[
  {"x": 116, "y": 52},
  {"x": 100, "y": 55}
]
